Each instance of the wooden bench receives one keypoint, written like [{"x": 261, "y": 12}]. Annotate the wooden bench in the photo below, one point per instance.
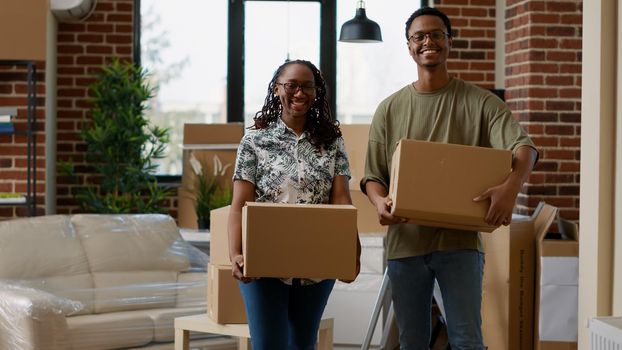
[{"x": 202, "y": 323}]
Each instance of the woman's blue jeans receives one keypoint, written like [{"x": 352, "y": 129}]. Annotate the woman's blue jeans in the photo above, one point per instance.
[
  {"x": 282, "y": 316},
  {"x": 459, "y": 274}
]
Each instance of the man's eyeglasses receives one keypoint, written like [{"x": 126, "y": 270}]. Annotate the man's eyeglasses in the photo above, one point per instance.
[
  {"x": 435, "y": 35},
  {"x": 292, "y": 88}
]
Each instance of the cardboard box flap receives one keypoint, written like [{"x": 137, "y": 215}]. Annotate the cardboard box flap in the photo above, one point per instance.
[
  {"x": 543, "y": 217},
  {"x": 568, "y": 229},
  {"x": 568, "y": 245}
]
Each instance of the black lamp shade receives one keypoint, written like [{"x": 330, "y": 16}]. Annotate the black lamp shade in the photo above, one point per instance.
[{"x": 360, "y": 29}]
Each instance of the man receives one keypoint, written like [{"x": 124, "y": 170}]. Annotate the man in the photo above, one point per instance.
[{"x": 440, "y": 108}]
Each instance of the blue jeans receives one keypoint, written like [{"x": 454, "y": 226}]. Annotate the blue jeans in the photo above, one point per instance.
[
  {"x": 459, "y": 274},
  {"x": 282, "y": 316}
]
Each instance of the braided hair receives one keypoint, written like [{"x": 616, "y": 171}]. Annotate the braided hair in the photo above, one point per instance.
[{"x": 323, "y": 130}]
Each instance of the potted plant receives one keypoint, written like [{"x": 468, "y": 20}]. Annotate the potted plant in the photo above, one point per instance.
[
  {"x": 121, "y": 144},
  {"x": 208, "y": 193}
]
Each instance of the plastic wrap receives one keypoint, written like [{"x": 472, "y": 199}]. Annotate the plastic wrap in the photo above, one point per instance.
[{"x": 91, "y": 281}]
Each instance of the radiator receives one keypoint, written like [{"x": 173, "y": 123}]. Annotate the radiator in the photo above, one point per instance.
[{"x": 605, "y": 333}]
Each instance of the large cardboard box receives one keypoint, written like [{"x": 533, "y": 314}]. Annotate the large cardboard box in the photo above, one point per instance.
[
  {"x": 205, "y": 142},
  {"x": 299, "y": 240},
  {"x": 557, "y": 289},
  {"x": 224, "y": 300},
  {"x": 434, "y": 184},
  {"x": 508, "y": 297},
  {"x": 356, "y": 138},
  {"x": 219, "y": 237},
  {"x": 367, "y": 217}
]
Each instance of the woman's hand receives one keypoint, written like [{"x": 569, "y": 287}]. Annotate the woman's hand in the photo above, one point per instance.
[
  {"x": 358, "y": 261},
  {"x": 237, "y": 269}
]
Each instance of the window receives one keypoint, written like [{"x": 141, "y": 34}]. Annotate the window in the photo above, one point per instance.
[
  {"x": 275, "y": 31},
  {"x": 184, "y": 47},
  {"x": 368, "y": 73},
  {"x": 211, "y": 60}
]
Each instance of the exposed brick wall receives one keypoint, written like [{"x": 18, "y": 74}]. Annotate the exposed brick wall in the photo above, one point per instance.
[
  {"x": 543, "y": 83},
  {"x": 473, "y": 53},
  {"x": 543, "y": 80},
  {"x": 13, "y": 148},
  {"x": 82, "y": 50}
]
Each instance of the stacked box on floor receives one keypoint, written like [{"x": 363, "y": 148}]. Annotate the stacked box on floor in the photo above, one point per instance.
[
  {"x": 224, "y": 300},
  {"x": 508, "y": 297}
]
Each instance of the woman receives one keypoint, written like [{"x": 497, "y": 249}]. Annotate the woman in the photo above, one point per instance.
[{"x": 295, "y": 154}]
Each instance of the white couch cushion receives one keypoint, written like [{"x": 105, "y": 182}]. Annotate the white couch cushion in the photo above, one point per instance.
[
  {"x": 192, "y": 289},
  {"x": 40, "y": 247},
  {"x": 131, "y": 242},
  {"x": 110, "y": 331},
  {"x": 134, "y": 290}
]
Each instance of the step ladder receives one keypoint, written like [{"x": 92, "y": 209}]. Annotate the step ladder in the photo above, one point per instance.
[{"x": 389, "y": 340}]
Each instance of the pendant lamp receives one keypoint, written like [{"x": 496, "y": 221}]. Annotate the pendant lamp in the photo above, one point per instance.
[{"x": 360, "y": 29}]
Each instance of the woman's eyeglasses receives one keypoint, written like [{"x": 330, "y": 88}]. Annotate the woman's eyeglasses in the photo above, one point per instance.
[{"x": 292, "y": 88}]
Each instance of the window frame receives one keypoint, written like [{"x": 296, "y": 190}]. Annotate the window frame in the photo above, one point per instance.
[{"x": 235, "y": 55}]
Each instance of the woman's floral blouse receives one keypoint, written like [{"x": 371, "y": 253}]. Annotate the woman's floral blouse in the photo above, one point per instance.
[{"x": 286, "y": 168}]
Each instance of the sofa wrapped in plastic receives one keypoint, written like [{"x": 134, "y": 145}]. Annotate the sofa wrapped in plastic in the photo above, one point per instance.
[{"x": 94, "y": 281}]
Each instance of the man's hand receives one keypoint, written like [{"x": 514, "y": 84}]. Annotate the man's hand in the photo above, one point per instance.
[
  {"x": 503, "y": 197},
  {"x": 384, "y": 213},
  {"x": 502, "y": 200},
  {"x": 378, "y": 196}
]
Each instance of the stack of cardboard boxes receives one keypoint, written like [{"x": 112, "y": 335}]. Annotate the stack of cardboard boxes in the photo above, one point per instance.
[
  {"x": 224, "y": 301},
  {"x": 283, "y": 241}
]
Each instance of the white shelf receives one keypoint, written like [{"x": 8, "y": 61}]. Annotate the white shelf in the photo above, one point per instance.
[{"x": 17, "y": 200}]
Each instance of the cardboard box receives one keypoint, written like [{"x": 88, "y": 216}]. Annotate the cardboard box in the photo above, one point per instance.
[
  {"x": 219, "y": 237},
  {"x": 224, "y": 300},
  {"x": 508, "y": 296},
  {"x": 367, "y": 216},
  {"x": 299, "y": 240},
  {"x": 206, "y": 141},
  {"x": 434, "y": 184},
  {"x": 356, "y": 138},
  {"x": 557, "y": 289}
]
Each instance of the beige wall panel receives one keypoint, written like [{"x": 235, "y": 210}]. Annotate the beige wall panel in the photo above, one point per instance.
[
  {"x": 597, "y": 163},
  {"x": 23, "y": 28}
]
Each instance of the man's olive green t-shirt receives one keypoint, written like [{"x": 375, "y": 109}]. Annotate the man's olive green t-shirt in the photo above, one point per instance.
[{"x": 459, "y": 113}]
